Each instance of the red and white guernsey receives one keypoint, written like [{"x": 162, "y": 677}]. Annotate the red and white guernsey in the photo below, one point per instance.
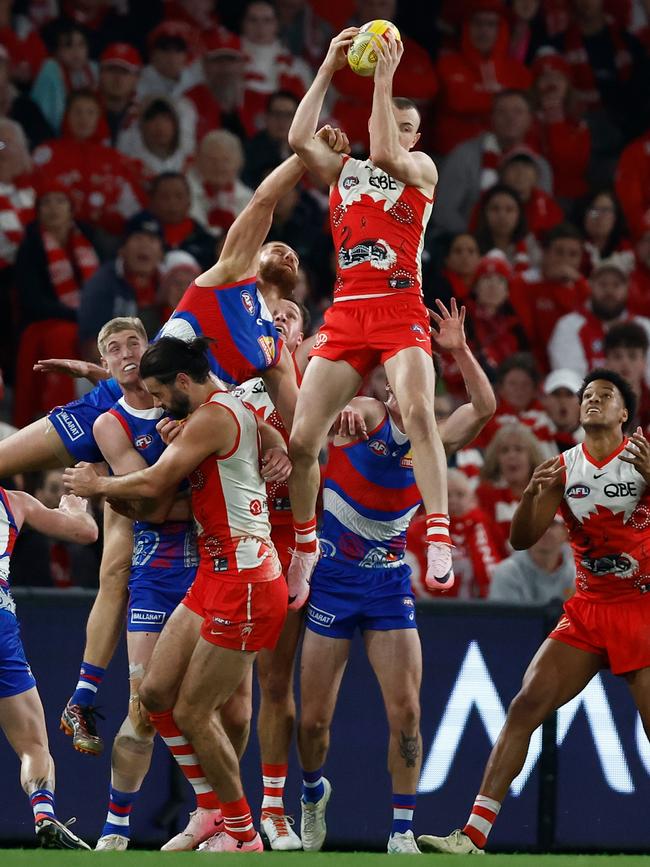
[
  {"x": 230, "y": 506},
  {"x": 378, "y": 226},
  {"x": 606, "y": 508}
]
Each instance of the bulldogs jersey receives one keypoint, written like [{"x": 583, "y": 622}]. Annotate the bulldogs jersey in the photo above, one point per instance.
[
  {"x": 378, "y": 226},
  {"x": 169, "y": 545},
  {"x": 607, "y": 511},
  {"x": 230, "y": 506},
  {"x": 369, "y": 498},
  {"x": 8, "y": 535},
  {"x": 236, "y": 318}
]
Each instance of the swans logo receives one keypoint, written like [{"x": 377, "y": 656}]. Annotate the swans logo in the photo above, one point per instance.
[{"x": 474, "y": 691}]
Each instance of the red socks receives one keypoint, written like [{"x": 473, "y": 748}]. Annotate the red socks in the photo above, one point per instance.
[
  {"x": 438, "y": 528},
  {"x": 274, "y": 778},
  {"x": 483, "y": 816},
  {"x": 306, "y": 536},
  {"x": 238, "y": 821}
]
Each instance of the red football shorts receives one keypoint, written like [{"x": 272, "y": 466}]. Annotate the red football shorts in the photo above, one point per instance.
[
  {"x": 238, "y": 615},
  {"x": 369, "y": 332},
  {"x": 617, "y": 631},
  {"x": 283, "y": 537}
]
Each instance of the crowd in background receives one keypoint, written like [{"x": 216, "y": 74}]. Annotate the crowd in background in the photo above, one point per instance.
[{"x": 132, "y": 134}]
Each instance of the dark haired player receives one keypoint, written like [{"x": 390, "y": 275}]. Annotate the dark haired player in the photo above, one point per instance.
[{"x": 601, "y": 488}]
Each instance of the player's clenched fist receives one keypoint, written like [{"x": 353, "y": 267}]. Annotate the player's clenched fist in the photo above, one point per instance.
[
  {"x": 81, "y": 480},
  {"x": 276, "y": 466}
]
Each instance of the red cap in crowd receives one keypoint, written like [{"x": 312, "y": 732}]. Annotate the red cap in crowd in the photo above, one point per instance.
[
  {"x": 548, "y": 58},
  {"x": 171, "y": 30},
  {"x": 121, "y": 54},
  {"x": 221, "y": 41},
  {"x": 494, "y": 262}
]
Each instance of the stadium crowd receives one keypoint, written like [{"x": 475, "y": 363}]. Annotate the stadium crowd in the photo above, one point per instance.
[{"x": 133, "y": 134}]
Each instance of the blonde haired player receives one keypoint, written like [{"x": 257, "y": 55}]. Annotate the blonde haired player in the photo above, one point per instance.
[{"x": 379, "y": 209}]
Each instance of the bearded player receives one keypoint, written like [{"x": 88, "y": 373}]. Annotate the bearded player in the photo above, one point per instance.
[
  {"x": 379, "y": 210},
  {"x": 362, "y": 581},
  {"x": 601, "y": 488},
  {"x": 237, "y": 604}
]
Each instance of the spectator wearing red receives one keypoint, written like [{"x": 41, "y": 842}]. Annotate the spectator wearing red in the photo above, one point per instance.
[
  {"x": 159, "y": 141},
  {"x": 270, "y": 66},
  {"x": 493, "y": 330},
  {"x": 68, "y": 70},
  {"x": 605, "y": 232},
  {"x": 559, "y": 131},
  {"x": 633, "y": 184},
  {"x": 21, "y": 40},
  {"x": 640, "y": 276},
  {"x": 501, "y": 225},
  {"x": 528, "y": 30},
  {"x": 270, "y": 146},
  {"x": 218, "y": 193},
  {"x": 415, "y": 77},
  {"x": 170, "y": 201},
  {"x": 168, "y": 72},
  {"x": 520, "y": 171},
  {"x": 19, "y": 106},
  {"x": 510, "y": 458},
  {"x": 478, "y": 544},
  {"x": 119, "y": 70},
  {"x": 516, "y": 386},
  {"x": 54, "y": 260},
  {"x": 221, "y": 100},
  {"x": 542, "y": 297},
  {"x": 472, "y": 167},
  {"x": 102, "y": 182},
  {"x": 16, "y": 190},
  {"x": 470, "y": 77},
  {"x": 561, "y": 402},
  {"x": 455, "y": 279},
  {"x": 199, "y": 14},
  {"x": 578, "y": 338},
  {"x": 125, "y": 286},
  {"x": 626, "y": 352}
]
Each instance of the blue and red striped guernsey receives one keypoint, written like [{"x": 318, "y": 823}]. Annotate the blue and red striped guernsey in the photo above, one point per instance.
[
  {"x": 8, "y": 536},
  {"x": 369, "y": 498},
  {"x": 235, "y": 317}
]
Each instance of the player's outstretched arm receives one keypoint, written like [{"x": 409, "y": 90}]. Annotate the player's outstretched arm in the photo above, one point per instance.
[
  {"x": 73, "y": 367},
  {"x": 539, "y": 503},
  {"x": 70, "y": 522},
  {"x": 210, "y": 429},
  {"x": 312, "y": 150},
  {"x": 416, "y": 169},
  {"x": 281, "y": 384},
  {"x": 466, "y": 422}
]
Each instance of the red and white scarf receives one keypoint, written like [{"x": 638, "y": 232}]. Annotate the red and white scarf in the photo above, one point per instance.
[
  {"x": 492, "y": 154},
  {"x": 582, "y": 74},
  {"x": 16, "y": 210},
  {"x": 69, "y": 267}
]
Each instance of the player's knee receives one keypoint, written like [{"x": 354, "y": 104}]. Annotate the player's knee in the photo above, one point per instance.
[
  {"x": 404, "y": 714},
  {"x": 134, "y": 731},
  {"x": 138, "y": 720},
  {"x": 529, "y": 708},
  {"x": 276, "y": 688},
  {"x": 419, "y": 420},
  {"x": 152, "y": 698},
  {"x": 314, "y": 727},
  {"x": 236, "y": 716},
  {"x": 302, "y": 448},
  {"x": 186, "y": 718}
]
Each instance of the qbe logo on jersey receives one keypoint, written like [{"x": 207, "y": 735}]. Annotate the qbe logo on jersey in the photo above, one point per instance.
[{"x": 248, "y": 301}]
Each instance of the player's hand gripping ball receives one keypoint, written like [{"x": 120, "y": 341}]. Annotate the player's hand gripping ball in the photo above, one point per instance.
[{"x": 362, "y": 56}]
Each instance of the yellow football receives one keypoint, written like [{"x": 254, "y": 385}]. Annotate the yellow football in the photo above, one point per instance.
[{"x": 362, "y": 56}]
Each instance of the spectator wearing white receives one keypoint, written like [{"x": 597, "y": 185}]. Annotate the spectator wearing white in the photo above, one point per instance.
[
  {"x": 159, "y": 140},
  {"x": 119, "y": 71},
  {"x": 626, "y": 353},
  {"x": 562, "y": 406},
  {"x": 218, "y": 194},
  {"x": 578, "y": 338},
  {"x": 168, "y": 72},
  {"x": 539, "y": 575},
  {"x": 177, "y": 271}
]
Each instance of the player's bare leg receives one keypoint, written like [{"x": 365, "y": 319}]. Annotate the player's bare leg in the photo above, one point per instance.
[
  {"x": 35, "y": 447},
  {"x": 412, "y": 379},
  {"x": 212, "y": 676},
  {"x": 322, "y": 664},
  {"x": 23, "y": 722},
  {"x": 396, "y": 659},
  {"x": 103, "y": 630},
  {"x": 132, "y": 749},
  {"x": 556, "y": 674},
  {"x": 639, "y": 684},
  {"x": 326, "y": 388},
  {"x": 275, "y": 724}
]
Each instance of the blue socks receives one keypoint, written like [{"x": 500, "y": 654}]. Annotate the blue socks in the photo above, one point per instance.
[
  {"x": 119, "y": 813},
  {"x": 403, "y": 809},
  {"x": 313, "y": 788},
  {"x": 90, "y": 678}
]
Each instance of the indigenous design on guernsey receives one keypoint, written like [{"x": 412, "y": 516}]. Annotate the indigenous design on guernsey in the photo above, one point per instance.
[
  {"x": 379, "y": 240},
  {"x": 230, "y": 506},
  {"x": 369, "y": 498},
  {"x": 165, "y": 557},
  {"x": 607, "y": 511},
  {"x": 74, "y": 421},
  {"x": 237, "y": 319},
  {"x": 8, "y": 535},
  {"x": 254, "y": 394}
]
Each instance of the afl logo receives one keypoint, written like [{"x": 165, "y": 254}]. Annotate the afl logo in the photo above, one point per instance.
[
  {"x": 143, "y": 441},
  {"x": 248, "y": 302},
  {"x": 255, "y": 507},
  {"x": 578, "y": 492},
  {"x": 378, "y": 447},
  {"x": 350, "y": 182}
]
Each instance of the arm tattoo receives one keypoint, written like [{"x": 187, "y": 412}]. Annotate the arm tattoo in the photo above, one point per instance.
[{"x": 409, "y": 748}]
